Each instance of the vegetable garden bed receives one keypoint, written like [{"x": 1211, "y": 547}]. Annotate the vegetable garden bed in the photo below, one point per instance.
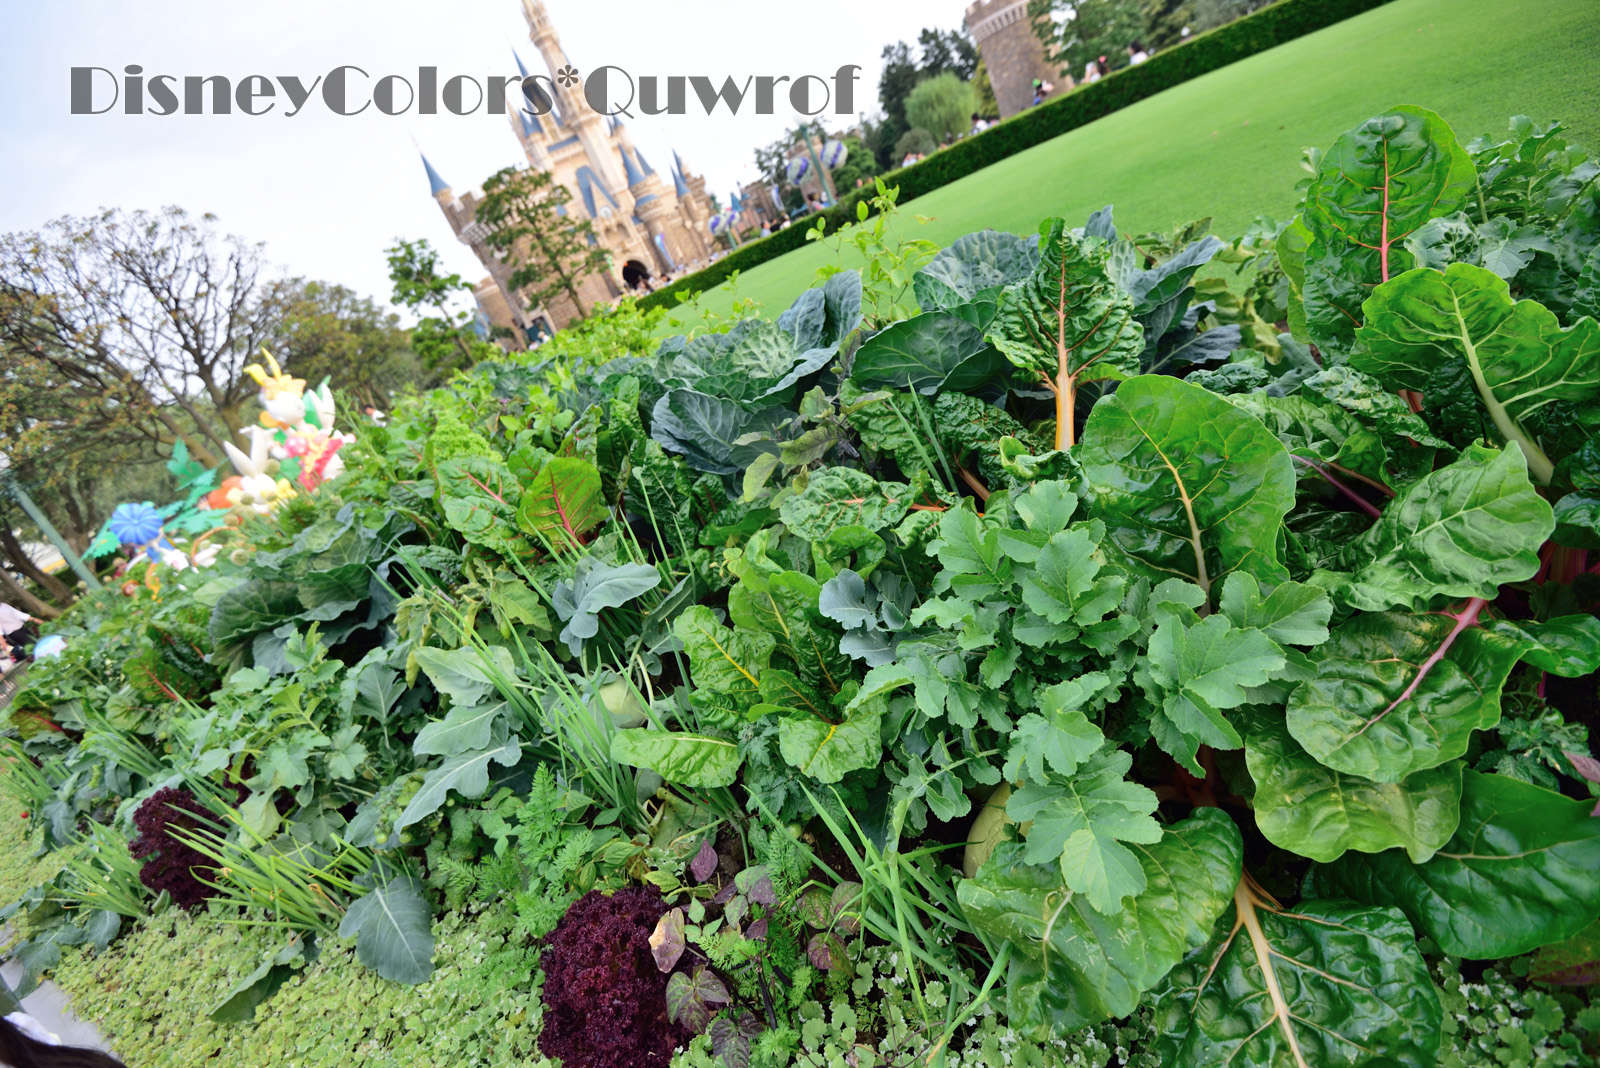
[{"x": 1016, "y": 653}]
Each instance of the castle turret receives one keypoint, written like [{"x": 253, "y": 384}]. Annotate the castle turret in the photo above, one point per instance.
[
  {"x": 575, "y": 111},
  {"x": 1013, "y": 55},
  {"x": 436, "y": 185}
]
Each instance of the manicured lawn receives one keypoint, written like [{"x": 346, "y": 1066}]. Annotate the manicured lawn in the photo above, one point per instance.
[{"x": 1228, "y": 144}]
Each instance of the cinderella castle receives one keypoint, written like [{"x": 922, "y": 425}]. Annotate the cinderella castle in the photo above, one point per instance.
[{"x": 650, "y": 226}]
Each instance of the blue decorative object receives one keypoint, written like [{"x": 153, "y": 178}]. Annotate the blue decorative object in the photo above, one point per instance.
[
  {"x": 833, "y": 154},
  {"x": 135, "y": 524}
]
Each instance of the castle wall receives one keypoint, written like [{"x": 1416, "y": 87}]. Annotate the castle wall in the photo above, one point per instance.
[{"x": 1013, "y": 55}]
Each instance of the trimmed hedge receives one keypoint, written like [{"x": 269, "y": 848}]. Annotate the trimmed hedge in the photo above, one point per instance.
[{"x": 1271, "y": 26}]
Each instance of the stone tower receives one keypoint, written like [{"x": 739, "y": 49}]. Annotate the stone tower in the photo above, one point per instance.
[
  {"x": 1012, "y": 53},
  {"x": 648, "y": 225}
]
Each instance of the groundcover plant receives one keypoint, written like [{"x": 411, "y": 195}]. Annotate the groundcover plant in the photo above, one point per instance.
[{"x": 1030, "y": 627}]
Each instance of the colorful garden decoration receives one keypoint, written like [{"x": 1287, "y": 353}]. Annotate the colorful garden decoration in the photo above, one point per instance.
[{"x": 296, "y": 431}]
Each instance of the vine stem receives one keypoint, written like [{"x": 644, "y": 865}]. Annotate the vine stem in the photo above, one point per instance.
[
  {"x": 1465, "y": 618},
  {"x": 1366, "y": 505}
]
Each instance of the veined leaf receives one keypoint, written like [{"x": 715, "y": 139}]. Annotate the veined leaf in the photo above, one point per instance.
[
  {"x": 723, "y": 660},
  {"x": 563, "y": 501},
  {"x": 1520, "y": 358},
  {"x": 480, "y": 498},
  {"x": 929, "y": 352},
  {"x": 464, "y": 727},
  {"x": 393, "y": 927},
  {"x": 1328, "y": 984},
  {"x": 842, "y": 496},
  {"x": 466, "y": 773},
  {"x": 827, "y": 751},
  {"x": 1081, "y": 823},
  {"x": 1066, "y": 323},
  {"x": 973, "y": 267},
  {"x": 690, "y": 759},
  {"x": 1519, "y": 873},
  {"x": 1187, "y": 485},
  {"x": 1319, "y": 813},
  {"x": 1071, "y": 965},
  {"x": 1397, "y": 693},
  {"x": 1458, "y": 532},
  {"x": 1377, "y": 184}
]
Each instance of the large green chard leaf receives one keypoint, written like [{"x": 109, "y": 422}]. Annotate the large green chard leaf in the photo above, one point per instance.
[
  {"x": 843, "y": 496},
  {"x": 1319, "y": 813},
  {"x": 827, "y": 751},
  {"x": 1519, "y": 357},
  {"x": 1519, "y": 872},
  {"x": 1071, "y": 965},
  {"x": 1397, "y": 693},
  {"x": 974, "y": 268},
  {"x": 1458, "y": 532},
  {"x": 1374, "y": 187},
  {"x": 1067, "y": 324},
  {"x": 690, "y": 759},
  {"x": 1328, "y": 984},
  {"x": 1187, "y": 485},
  {"x": 1081, "y": 823},
  {"x": 563, "y": 501},
  {"x": 393, "y": 928},
  {"x": 480, "y": 498},
  {"x": 723, "y": 660}
]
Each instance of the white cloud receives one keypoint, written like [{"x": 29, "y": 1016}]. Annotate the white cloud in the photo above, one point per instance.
[{"x": 327, "y": 193}]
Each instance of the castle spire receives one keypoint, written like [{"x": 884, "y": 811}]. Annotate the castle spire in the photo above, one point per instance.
[
  {"x": 436, "y": 184},
  {"x": 679, "y": 186},
  {"x": 644, "y": 164},
  {"x": 631, "y": 170}
]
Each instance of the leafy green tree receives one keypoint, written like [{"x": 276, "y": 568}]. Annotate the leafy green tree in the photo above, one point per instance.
[
  {"x": 915, "y": 140},
  {"x": 948, "y": 50},
  {"x": 150, "y": 317},
  {"x": 444, "y": 337},
  {"x": 859, "y": 165},
  {"x": 988, "y": 106},
  {"x": 943, "y": 105},
  {"x": 526, "y": 212},
  {"x": 1078, "y": 32},
  {"x": 332, "y": 332}
]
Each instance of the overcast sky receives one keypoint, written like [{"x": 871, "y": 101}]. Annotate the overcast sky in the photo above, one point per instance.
[{"x": 327, "y": 193}]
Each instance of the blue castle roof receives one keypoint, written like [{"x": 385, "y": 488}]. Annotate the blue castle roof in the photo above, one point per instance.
[
  {"x": 587, "y": 184},
  {"x": 631, "y": 169},
  {"x": 436, "y": 184},
  {"x": 679, "y": 186}
]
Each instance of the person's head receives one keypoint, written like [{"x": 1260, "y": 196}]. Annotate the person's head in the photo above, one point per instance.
[
  {"x": 1102, "y": 65},
  {"x": 1134, "y": 46},
  {"x": 18, "y": 1050}
]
